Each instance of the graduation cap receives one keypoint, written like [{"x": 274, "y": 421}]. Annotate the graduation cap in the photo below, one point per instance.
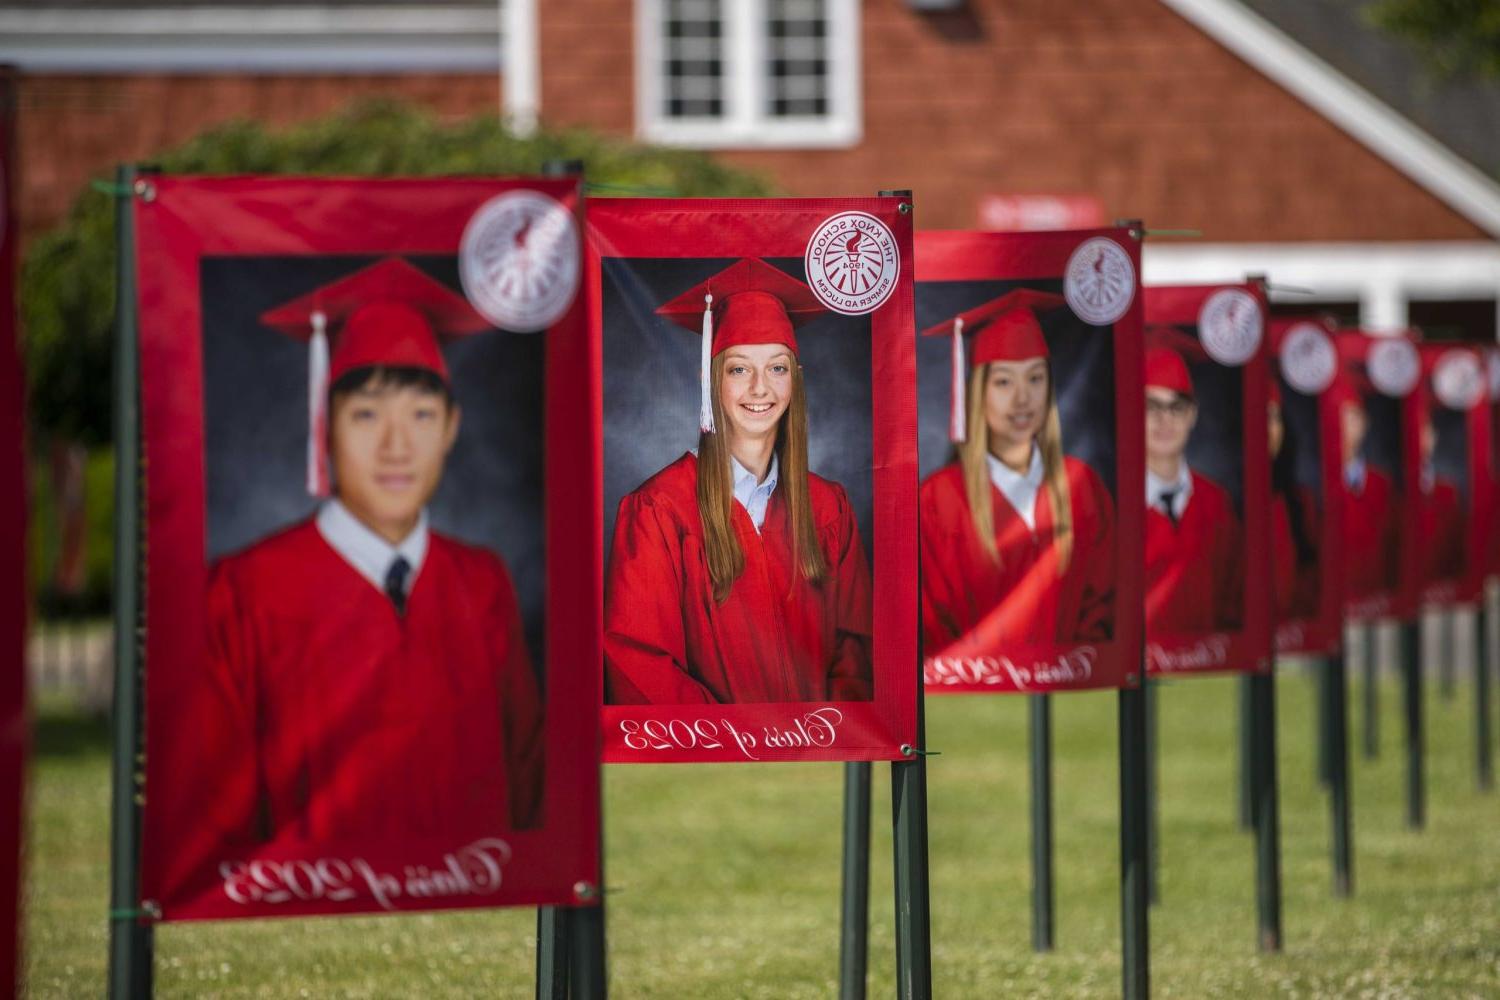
[
  {"x": 749, "y": 302},
  {"x": 388, "y": 314},
  {"x": 1006, "y": 329},
  {"x": 1166, "y": 349},
  {"x": 1353, "y": 381}
]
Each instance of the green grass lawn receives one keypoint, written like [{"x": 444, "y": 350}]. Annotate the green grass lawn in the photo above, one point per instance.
[{"x": 725, "y": 878}]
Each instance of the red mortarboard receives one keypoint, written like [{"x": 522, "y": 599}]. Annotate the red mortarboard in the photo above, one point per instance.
[
  {"x": 749, "y": 302},
  {"x": 388, "y": 314},
  {"x": 1006, "y": 329},
  {"x": 1166, "y": 347}
]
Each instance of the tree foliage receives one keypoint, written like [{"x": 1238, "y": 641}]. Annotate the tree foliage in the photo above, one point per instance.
[
  {"x": 1456, "y": 37},
  {"x": 68, "y": 277}
]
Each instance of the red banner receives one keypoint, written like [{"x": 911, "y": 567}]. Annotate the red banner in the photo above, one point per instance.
[
  {"x": 13, "y": 719},
  {"x": 1208, "y": 483},
  {"x": 1307, "y": 489},
  {"x": 1379, "y": 393},
  {"x": 754, "y": 368},
  {"x": 1034, "y": 416},
  {"x": 384, "y": 699},
  {"x": 1454, "y": 521}
]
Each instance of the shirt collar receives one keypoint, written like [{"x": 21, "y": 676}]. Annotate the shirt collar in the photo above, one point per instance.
[
  {"x": 1020, "y": 488},
  {"x": 369, "y": 554},
  {"x": 1181, "y": 487},
  {"x": 745, "y": 485},
  {"x": 1354, "y": 475}
]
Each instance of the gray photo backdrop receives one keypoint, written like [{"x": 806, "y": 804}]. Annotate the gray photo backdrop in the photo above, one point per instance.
[
  {"x": 255, "y": 421},
  {"x": 651, "y": 383},
  {"x": 1450, "y": 454}
]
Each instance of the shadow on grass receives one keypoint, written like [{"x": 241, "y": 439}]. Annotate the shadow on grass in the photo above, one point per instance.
[{"x": 60, "y": 734}]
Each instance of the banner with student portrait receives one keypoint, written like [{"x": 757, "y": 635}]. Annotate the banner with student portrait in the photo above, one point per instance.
[
  {"x": 368, "y": 648},
  {"x": 754, "y": 375},
  {"x": 1030, "y": 500},
  {"x": 1379, "y": 393},
  {"x": 1307, "y": 487},
  {"x": 1492, "y": 533},
  {"x": 1455, "y": 476},
  {"x": 1208, "y": 483}
]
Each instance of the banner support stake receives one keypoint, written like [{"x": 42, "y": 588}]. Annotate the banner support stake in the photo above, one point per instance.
[
  {"x": 1338, "y": 786},
  {"x": 854, "y": 911},
  {"x": 1135, "y": 856},
  {"x": 1370, "y": 680},
  {"x": 1043, "y": 922},
  {"x": 1267, "y": 811},
  {"x": 1411, "y": 666},
  {"x": 130, "y": 935}
]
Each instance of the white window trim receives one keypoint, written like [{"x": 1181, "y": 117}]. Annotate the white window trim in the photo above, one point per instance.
[{"x": 744, "y": 126}]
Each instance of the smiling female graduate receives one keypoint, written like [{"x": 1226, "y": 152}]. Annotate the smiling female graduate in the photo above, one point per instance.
[
  {"x": 736, "y": 575},
  {"x": 1017, "y": 538},
  {"x": 373, "y": 671}
]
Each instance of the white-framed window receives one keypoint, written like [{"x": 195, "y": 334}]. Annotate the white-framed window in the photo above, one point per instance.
[{"x": 720, "y": 73}]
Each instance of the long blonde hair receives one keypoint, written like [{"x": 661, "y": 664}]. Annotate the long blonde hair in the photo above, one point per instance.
[
  {"x": 972, "y": 457},
  {"x": 726, "y": 560}
]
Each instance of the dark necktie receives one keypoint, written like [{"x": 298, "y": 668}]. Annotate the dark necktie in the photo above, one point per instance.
[
  {"x": 1165, "y": 498},
  {"x": 395, "y": 583}
]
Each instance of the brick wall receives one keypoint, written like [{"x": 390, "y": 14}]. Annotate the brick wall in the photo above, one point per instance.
[
  {"x": 1121, "y": 98},
  {"x": 73, "y": 128}
]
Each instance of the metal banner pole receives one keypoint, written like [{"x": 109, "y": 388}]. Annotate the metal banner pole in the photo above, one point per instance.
[
  {"x": 1135, "y": 853},
  {"x": 1042, "y": 920},
  {"x": 1484, "y": 750},
  {"x": 551, "y": 953},
  {"x": 1411, "y": 666},
  {"x": 587, "y": 978},
  {"x": 1247, "y": 754},
  {"x": 1338, "y": 799},
  {"x": 1153, "y": 793},
  {"x": 909, "y": 817},
  {"x": 854, "y": 936},
  {"x": 1446, "y": 623},
  {"x": 1321, "y": 685},
  {"x": 130, "y": 937},
  {"x": 1370, "y": 676},
  {"x": 1267, "y": 810}
]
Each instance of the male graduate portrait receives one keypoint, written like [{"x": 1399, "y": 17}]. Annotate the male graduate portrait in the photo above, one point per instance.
[{"x": 371, "y": 672}]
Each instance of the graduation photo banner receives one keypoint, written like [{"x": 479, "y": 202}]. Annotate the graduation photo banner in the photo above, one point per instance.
[
  {"x": 1455, "y": 475},
  {"x": 759, "y": 477},
  {"x": 1207, "y": 491},
  {"x": 1378, "y": 392},
  {"x": 371, "y": 617},
  {"x": 1492, "y": 533},
  {"x": 1031, "y": 516},
  {"x": 1307, "y": 488}
]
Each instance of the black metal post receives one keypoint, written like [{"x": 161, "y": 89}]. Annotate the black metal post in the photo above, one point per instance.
[
  {"x": 1446, "y": 623},
  {"x": 1338, "y": 786},
  {"x": 1246, "y": 757},
  {"x": 1324, "y": 710},
  {"x": 1484, "y": 762},
  {"x": 1370, "y": 676},
  {"x": 1043, "y": 923},
  {"x": 854, "y": 917},
  {"x": 1153, "y": 792},
  {"x": 1267, "y": 811},
  {"x": 551, "y": 953},
  {"x": 587, "y": 977},
  {"x": 1411, "y": 666},
  {"x": 909, "y": 817},
  {"x": 130, "y": 936},
  {"x": 1135, "y": 851}
]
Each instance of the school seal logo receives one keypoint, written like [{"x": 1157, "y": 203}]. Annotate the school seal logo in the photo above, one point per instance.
[
  {"x": 1099, "y": 282},
  {"x": 518, "y": 261},
  {"x": 1230, "y": 325},
  {"x": 1457, "y": 380},
  {"x": 852, "y": 263},
  {"x": 1394, "y": 366},
  {"x": 1309, "y": 361}
]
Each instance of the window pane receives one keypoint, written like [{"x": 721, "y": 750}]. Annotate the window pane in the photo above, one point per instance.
[
  {"x": 692, "y": 65},
  {"x": 796, "y": 58}
]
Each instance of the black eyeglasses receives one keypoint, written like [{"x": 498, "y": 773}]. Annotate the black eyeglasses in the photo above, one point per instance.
[{"x": 1178, "y": 408}]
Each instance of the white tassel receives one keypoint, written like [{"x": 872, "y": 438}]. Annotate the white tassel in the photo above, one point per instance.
[
  {"x": 705, "y": 401},
  {"x": 958, "y": 414},
  {"x": 317, "y": 406}
]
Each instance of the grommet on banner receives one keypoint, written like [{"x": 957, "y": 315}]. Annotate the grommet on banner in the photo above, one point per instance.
[
  {"x": 584, "y": 890},
  {"x": 145, "y": 190},
  {"x": 904, "y": 208},
  {"x": 907, "y": 750},
  {"x": 149, "y": 909}
]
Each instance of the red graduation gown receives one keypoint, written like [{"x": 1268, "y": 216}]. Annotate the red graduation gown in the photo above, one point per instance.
[
  {"x": 1442, "y": 534},
  {"x": 776, "y": 637},
  {"x": 1369, "y": 537},
  {"x": 352, "y": 721},
  {"x": 1022, "y": 599},
  {"x": 1297, "y": 587},
  {"x": 1195, "y": 571}
]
